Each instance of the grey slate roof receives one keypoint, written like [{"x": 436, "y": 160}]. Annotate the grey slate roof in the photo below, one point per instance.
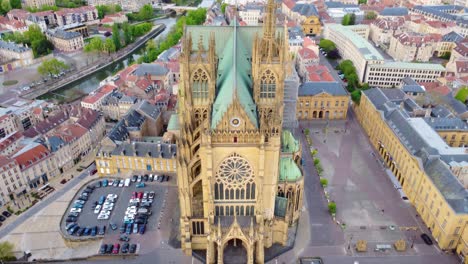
[
  {"x": 131, "y": 122},
  {"x": 410, "y": 105},
  {"x": 452, "y": 37},
  {"x": 150, "y": 110},
  {"x": 55, "y": 143},
  {"x": 443, "y": 123},
  {"x": 441, "y": 111},
  {"x": 442, "y": 12},
  {"x": 12, "y": 46},
  {"x": 394, "y": 95},
  {"x": 394, "y": 11},
  {"x": 151, "y": 69},
  {"x": 305, "y": 9},
  {"x": 339, "y": 5},
  {"x": 314, "y": 88},
  {"x": 62, "y": 34},
  {"x": 413, "y": 89},
  {"x": 145, "y": 149},
  {"x": 456, "y": 105}
]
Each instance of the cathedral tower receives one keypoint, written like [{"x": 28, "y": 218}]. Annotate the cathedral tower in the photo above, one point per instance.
[{"x": 239, "y": 179}]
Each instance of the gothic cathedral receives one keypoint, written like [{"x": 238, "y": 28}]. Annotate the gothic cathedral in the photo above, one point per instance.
[{"x": 239, "y": 176}]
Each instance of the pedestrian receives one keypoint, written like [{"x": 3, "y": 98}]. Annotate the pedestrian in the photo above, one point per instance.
[{"x": 383, "y": 211}]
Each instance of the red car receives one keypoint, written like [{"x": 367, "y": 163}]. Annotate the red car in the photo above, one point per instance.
[
  {"x": 116, "y": 248},
  {"x": 140, "y": 195},
  {"x": 134, "y": 195}
]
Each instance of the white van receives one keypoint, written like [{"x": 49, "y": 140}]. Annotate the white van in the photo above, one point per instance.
[{"x": 127, "y": 182}]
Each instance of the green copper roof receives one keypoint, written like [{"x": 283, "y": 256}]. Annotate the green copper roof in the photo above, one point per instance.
[
  {"x": 233, "y": 48},
  {"x": 173, "y": 122},
  {"x": 288, "y": 143},
  {"x": 289, "y": 170}
]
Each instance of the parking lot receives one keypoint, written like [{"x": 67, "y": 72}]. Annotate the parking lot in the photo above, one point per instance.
[{"x": 88, "y": 218}]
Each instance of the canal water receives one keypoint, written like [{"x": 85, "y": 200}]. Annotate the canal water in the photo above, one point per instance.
[{"x": 84, "y": 86}]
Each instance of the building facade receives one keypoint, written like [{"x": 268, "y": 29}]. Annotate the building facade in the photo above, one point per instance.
[
  {"x": 15, "y": 54},
  {"x": 66, "y": 41},
  {"x": 235, "y": 187},
  {"x": 409, "y": 46},
  {"x": 12, "y": 182},
  {"x": 322, "y": 100},
  {"x": 38, "y": 3},
  {"x": 85, "y": 14},
  {"x": 417, "y": 157}
]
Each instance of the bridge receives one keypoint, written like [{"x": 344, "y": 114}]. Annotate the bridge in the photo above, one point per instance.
[{"x": 177, "y": 9}]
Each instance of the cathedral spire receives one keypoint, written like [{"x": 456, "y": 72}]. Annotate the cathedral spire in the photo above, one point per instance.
[{"x": 270, "y": 21}]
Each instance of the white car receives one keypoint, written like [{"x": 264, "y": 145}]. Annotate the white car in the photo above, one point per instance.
[
  {"x": 112, "y": 196},
  {"x": 103, "y": 212},
  {"x": 127, "y": 182},
  {"x": 108, "y": 204},
  {"x": 75, "y": 210},
  {"x": 103, "y": 217},
  {"x": 121, "y": 183},
  {"x": 108, "y": 207},
  {"x": 97, "y": 209}
]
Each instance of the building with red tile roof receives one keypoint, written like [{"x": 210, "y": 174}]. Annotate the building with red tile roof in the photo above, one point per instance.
[
  {"x": 94, "y": 99},
  {"x": 37, "y": 165},
  {"x": 436, "y": 87},
  {"x": 318, "y": 73},
  {"x": 114, "y": 18},
  {"x": 382, "y": 29},
  {"x": 10, "y": 143},
  {"x": 84, "y": 14},
  {"x": 18, "y": 14},
  {"x": 305, "y": 57}
]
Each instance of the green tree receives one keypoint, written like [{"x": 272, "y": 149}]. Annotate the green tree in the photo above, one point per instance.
[
  {"x": 356, "y": 96},
  {"x": 146, "y": 12},
  {"x": 362, "y": 2},
  {"x": 462, "y": 94},
  {"x": 52, "y": 67},
  {"x": 127, "y": 33},
  {"x": 371, "y": 15},
  {"x": 33, "y": 33},
  {"x": 109, "y": 46},
  {"x": 41, "y": 47},
  {"x": 324, "y": 182},
  {"x": 223, "y": 7},
  {"x": 327, "y": 45},
  {"x": 116, "y": 36},
  {"x": 101, "y": 9},
  {"x": 15, "y": 4},
  {"x": 365, "y": 86},
  {"x": 6, "y": 251},
  {"x": 95, "y": 45},
  {"x": 118, "y": 8},
  {"x": 6, "y": 6},
  {"x": 348, "y": 19}
]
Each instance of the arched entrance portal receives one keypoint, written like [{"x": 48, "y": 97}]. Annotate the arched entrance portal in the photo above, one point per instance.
[{"x": 234, "y": 252}]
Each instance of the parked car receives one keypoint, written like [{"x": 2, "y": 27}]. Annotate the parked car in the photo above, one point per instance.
[
  {"x": 69, "y": 219},
  {"x": 102, "y": 230},
  {"x": 116, "y": 248},
  {"x": 125, "y": 247},
  {"x": 426, "y": 239},
  {"x": 145, "y": 178},
  {"x": 134, "y": 178},
  {"x": 83, "y": 198},
  {"x": 80, "y": 202},
  {"x": 75, "y": 214},
  {"x": 105, "y": 182},
  {"x": 121, "y": 183},
  {"x": 123, "y": 227},
  {"x": 101, "y": 199},
  {"x": 132, "y": 248},
  {"x": 139, "y": 178},
  {"x": 87, "y": 231},
  {"x": 73, "y": 230},
  {"x": 134, "y": 195},
  {"x": 70, "y": 226},
  {"x": 142, "y": 229},
  {"x": 128, "y": 231},
  {"x": 98, "y": 184},
  {"x": 116, "y": 183},
  {"x": 103, "y": 249},
  {"x": 140, "y": 195},
  {"x": 94, "y": 231},
  {"x": 77, "y": 206},
  {"x": 127, "y": 182},
  {"x": 140, "y": 185},
  {"x": 6, "y": 213},
  {"x": 80, "y": 231},
  {"x": 78, "y": 210},
  {"x": 110, "y": 247},
  {"x": 151, "y": 178},
  {"x": 103, "y": 217},
  {"x": 97, "y": 209},
  {"x": 113, "y": 226},
  {"x": 135, "y": 228},
  {"x": 151, "y": 195},
  {"x": 124, "y": 238}
]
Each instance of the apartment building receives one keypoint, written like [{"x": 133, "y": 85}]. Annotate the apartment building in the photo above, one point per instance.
[
  {"x": 127, "y": 5},
  {"x": 410, "y": 46},
  {"x": 453, "y": 131},
  {"x": 15, "y": 54},
  {"x": 65, "y": 41},
  {"x": 37, "y": 165},
  {"x": 116, "y": 105},
  {"x": 251, "y": 13},
  {"x": 383, "y": 29},
  {"x": 12, "y": 183},
  {"x": 38, "y": 3},
  {"x": 418, "y": 158},
  {"x": 85, "y": 14},
  {"x": 322, "y": 100},
  {"x": 445, "y": 13},
  {"x": 371, "y": 66},
  {"x": 95, "y": 99}
]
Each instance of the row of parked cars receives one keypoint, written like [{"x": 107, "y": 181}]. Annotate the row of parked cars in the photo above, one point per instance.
[
  {"x": 116, "y": 249},
  {"x": 150, "y": 178},
  {"x": 79, "y": 203},
  {"x": 137, "y": 213},
  {"x": 75, "y": 230}
]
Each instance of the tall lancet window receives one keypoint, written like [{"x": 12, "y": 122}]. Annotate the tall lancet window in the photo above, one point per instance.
[
  {"x": 200, "y": 84},
  {"x": 268, "y": 85}
]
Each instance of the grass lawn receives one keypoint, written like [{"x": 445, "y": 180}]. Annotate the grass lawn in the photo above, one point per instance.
[
  {"x": 10, "y": 82},
  {"x": 462, "y": 94}
]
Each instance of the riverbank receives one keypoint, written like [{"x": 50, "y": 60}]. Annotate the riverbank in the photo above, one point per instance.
[{"x": 99, "y": 65}]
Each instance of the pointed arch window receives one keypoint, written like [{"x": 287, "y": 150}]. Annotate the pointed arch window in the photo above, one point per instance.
[
  {"x": 200, "y": 84},
  {"x": 268, "y": 85}
]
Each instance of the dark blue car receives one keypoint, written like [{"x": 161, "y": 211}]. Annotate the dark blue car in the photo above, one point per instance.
[
  {"x": 94, "y": 231},
  {"x": 142, "y": 229},
  {"x": 128, "y": 231},
  {"x": 101, "y": 199}
]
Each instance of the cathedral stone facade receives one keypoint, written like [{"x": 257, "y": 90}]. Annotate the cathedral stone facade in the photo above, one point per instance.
[{"x": 239, "y": 176}]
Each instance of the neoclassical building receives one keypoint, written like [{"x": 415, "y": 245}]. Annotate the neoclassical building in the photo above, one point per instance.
[{"x": 239, "y": 176}]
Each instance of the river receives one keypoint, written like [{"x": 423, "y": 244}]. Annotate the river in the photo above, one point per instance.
[{"x": 79, "y": 88}]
